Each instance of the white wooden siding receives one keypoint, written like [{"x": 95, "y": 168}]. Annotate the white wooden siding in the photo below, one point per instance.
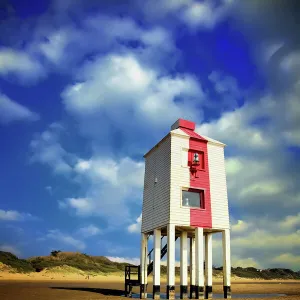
[
  {"x": 156, "y": 200},
  {"x": 184, "y": 157},
  {"x": 218, "y": 187},
  {"x": 180, "y": 177}
]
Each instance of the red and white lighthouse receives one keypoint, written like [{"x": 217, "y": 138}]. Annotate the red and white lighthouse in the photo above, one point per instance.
[{"x": 185, "y": 196}]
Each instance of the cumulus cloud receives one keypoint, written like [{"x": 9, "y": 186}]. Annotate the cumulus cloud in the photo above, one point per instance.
[
  {"x": 204, "y": 14},
  {"x": 88, "y": 231},
  {"x": 262, "y": 239},
  {"x": 11, "y": 111},
  {"x": 71, "y": 43},
  {"x": 111, "y": 186},
  {"x": 115, "y": 106},
  {"x": 135, "y": 227},
  {"x": 82, "y": 206},
  {"x": 63, "y": 239},
  {"x": 105, "y": 86},
  {"x": 13, "y": 215},
  {"x": 108, "y": 185},
  {"x": 124, "y": 92},
  {"x": 227, "y": 88},
  {"x": 116, "y": 173},
  {"x": 244, "y": 262},
  {"x": 245, "y": 171},
  {"x": 235, "y": 128},
  {"x": 46, "y": 149},
  {"x": 251, "y": 239},
  {"x": 53, "y": 48},
  {"x": 239, "y": 227},
  {"x": 287, "y": 260},
  {"x": 127, "y": 29},
  {"x": 134, "y": 261},
  {"x": 19, "y": 63},
  {"x": 290, "y": 222}
]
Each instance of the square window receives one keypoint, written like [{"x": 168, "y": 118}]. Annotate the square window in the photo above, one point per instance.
[{"x": 193, "y": 198}]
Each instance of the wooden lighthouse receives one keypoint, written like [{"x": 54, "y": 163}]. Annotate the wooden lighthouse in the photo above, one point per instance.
[{"x": 185, "y": 196}]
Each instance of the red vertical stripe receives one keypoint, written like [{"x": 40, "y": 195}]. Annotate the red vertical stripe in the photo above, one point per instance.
[{"x": 200, "y": 217}]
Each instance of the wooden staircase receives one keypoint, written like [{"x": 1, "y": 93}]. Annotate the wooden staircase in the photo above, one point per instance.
[{"x": 133, "y": 273}]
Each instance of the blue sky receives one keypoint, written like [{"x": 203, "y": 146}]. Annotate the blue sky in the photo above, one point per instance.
[{"x": 87, "y": 88}]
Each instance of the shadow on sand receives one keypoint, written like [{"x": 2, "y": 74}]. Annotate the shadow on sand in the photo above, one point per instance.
[{"x": 107, "y": 292}]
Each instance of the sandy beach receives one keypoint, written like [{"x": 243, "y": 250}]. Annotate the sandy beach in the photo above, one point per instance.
[{"x": 46, "y": 286}]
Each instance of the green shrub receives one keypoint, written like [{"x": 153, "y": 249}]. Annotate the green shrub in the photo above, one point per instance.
[{"x": 21, "y": 265}]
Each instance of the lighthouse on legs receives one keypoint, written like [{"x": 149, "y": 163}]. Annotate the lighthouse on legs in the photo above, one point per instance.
[{"x": 185, "y": 197}]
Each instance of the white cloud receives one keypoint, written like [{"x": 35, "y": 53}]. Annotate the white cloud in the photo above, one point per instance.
[
  {"x": 196, "y": 14},
  {"x": 88, "y": 231},
  {"x": 227, "y": 88},
  {"x": 234, "y": 129},
  {"x": 127, "y": 29},
  {"x": 11, "y": 111},
  {"x": 82, "y": 206},
  {"x": 65, "y": 239},
  {"x": 46, "y": 149},
  {"x": 290, "y": 222},
  {"x": 19, "y": 63},
  {"x": 11, "y": 249},
  {"x": 82, "y": 166},
  {"x": 287, "y": 260},
  {"x": 105, "y": 86},
  {"x": 68, "y": 45},
  {"x": 109, "y": 186},
  {"x": 291, "y": 61},
  {"x": 243, "y": 181},
  {"x": 54, "y": 47},
  {"x": 200, "y": 14},
  {"x": 263, "y": 239},
  {"x": 112, "y": 187},
  {"x": 265, "y": 188},
  {"x": 163, "y": 7},
  {"x": 251, "y": 239},
  {"x": 111, "y": 102},
  {"x": 288, "y": 119},
  {"x": 239, "y": 227},
  {"x": 205, "y": 15},
  {"x": 120, "y": 90},
  {"x": 244, "y": 262},
  {"x": 133, "y": 261},
  {"x": 257, "y": 183},
  {"x": 135, "y": 227},
  {"x": 13, "y": 215}
]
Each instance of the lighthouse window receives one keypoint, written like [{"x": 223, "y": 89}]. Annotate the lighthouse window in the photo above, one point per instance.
[{"x": 193, "y": 198}]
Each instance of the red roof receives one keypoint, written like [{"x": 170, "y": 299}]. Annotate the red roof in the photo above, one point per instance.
[
  {"x": 188, "y": 127},
  {"x": 193, "y": 134}
]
